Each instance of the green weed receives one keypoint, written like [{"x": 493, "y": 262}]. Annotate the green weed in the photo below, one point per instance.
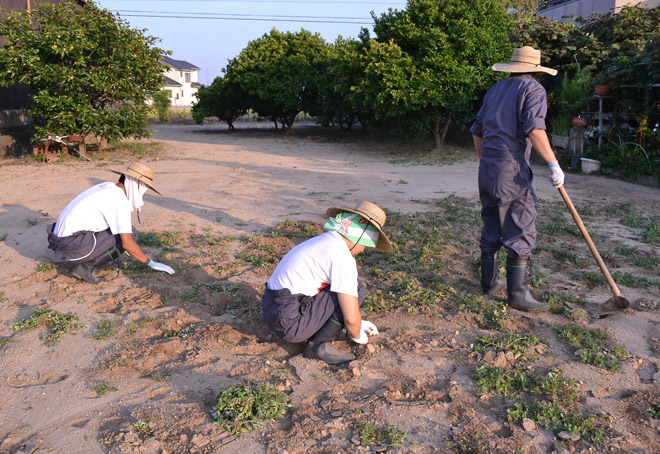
[
  {"x": 180, "y": 333},
  {"x": 103, "y": 388},
  {"x": 515, "y": 381},
  {"x": 150, "y": 239},
  {"x": 257, "y": 260},
  {"x": 5, "y": 340},
  {"x": 389, "y": 436},
  {"x": 469, "y": 443},
  {"x": 654, "y": 409},
  {"x": 45, "y": 267},
  {"x": 556, "y": 418},
  {"x": 594, "y": 345},
  {"x": 143, "y": 427},
  {"x": 243, "y": 408},
  {"x": 515, "y": 343},
  {"x": 133, "y": 267},
  {"x": 3, "y": 237},
  {"x": 556, "y": 300},
  {"x": 105, "y": 330},
  {"x": 651, "y": 233},
  {"x": 59, "y": 324},
  {"x": 630, "y": 280},
  {"x": 2, "y": 296},
  {"x": 158, "y": 377}
]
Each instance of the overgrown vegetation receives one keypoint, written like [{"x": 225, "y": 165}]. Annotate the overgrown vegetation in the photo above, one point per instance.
[
  {"x": 243, "y": 408},
  {"x": 58, "y": 324},
  {"x": 388, "y": 436},
  {"x": 593, "y": 346}
]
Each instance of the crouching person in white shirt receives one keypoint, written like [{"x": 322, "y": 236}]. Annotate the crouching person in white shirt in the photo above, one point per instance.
[
  {"x": 95, "y": 227},
  {"x": 315, "y": 292}
]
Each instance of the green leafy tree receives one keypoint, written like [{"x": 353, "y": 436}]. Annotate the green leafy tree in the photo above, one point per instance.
[
  {"x": 281, "y": 72},
  {"x": 224, "y": 99},
  {"x": 451, "y": 45},
  {"x": 89, "y": 73},
  {"x": 162, "y": 104}
]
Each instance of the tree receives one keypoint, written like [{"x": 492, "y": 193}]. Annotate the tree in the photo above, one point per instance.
[
  {"x": 281, "y": 72},
  {"x": 162, "y": 104},
  {"x": 224, "y": 99},
  {"x": 451, "y": 44},
  {"x": 89, "y": 73}
]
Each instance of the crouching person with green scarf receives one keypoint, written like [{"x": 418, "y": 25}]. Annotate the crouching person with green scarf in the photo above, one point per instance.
[{"x": 315, "y": 292}]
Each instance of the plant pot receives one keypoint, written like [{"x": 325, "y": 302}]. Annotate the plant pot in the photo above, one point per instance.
[
  {"x": 575, "y": 160},
  {"x": 581, "y": 122},
  {"x": 559, "y": 141},
  {"x": 590, "y": 165},
  {"x": 602, "y": 90}
]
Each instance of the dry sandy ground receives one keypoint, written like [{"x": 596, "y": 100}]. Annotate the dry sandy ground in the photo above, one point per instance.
[{"x": 219, "y": 189}]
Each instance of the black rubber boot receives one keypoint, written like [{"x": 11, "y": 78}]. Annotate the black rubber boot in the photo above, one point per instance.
[
  {"x": 490, "y": 282},
  {"x": 85, "y": 271},
  {"x": 318, "y": 346},
  {"x": 518, "y": 286}
]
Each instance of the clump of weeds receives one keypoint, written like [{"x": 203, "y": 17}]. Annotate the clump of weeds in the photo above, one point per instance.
[
  {"x": 103, "y": 388},
  {"x": 58, "y": 324},
  {"x": 593, "y": 346},
  {"x": 654, "y": 410},
  {"x": 105, "y": 329},
  {"x": 183, "y": 333},
  {"x": 388, "y": 436},
  {"x": 556, "y": 301},
  {"x": 515, "y": 343},
  {"x": 45, "y": 267},
  {"x": 246, "y": 407},
  {"x": 143, "y": 427}
]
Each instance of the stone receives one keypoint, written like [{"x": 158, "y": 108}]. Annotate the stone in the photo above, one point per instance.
[
  {"x": 489, "y": 357},
  {"x": 371, "y": 348},
  {"x": 325, "y": 403},
  {"x": 500, "y": 361},
  {"x": 568, "y": 436},
  {"x": 529, "y": 425},
  {"x": 356, "y": 371}
]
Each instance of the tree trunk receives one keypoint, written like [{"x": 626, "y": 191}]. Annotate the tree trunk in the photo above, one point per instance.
[{"x": 439, "y": 135}]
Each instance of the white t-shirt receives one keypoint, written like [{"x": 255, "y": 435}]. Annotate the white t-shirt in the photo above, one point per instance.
[
  {"x": 96, "y": 209},
  {"x": 324, "y": 259}
]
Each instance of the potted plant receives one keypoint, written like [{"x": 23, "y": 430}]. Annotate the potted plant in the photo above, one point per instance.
[{"x": 565, "y": 100}]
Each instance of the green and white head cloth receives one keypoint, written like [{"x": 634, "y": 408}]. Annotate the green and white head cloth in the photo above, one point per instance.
[{"x": 354, "y": 228}]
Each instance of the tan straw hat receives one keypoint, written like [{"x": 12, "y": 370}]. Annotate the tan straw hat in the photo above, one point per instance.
[
  {"x": 371, "y": 213},
  {"x": 524, "y": 60},
  {"x": 140, "y": 172}
]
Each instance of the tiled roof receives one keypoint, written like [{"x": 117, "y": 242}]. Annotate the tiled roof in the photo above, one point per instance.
[
  {"x": 179, "y": 64},
  {"x": 171, "y": 83}
]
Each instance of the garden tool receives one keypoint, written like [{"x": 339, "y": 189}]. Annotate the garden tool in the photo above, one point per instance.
[{"x": 618, "y": 302}]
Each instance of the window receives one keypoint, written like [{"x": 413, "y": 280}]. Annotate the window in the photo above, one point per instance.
[
  {"x": 188, "y": 77},
  {"x": 170, "y": 93},
  {"x": 180, "y": 73}
]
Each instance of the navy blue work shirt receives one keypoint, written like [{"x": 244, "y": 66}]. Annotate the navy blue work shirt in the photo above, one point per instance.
[{"x": 511, "y": 109}]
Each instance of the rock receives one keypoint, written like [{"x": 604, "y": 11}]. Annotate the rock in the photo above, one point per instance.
[
  {"x": 356, "y": 371},
  {"x": 335, "y": 414},
  {"x": 580, "y": 352},
  {"x": 489, "y": 357},
  {"x": 199, "y": 440},
  {"x": 371, "y": 348},
  {"x": 79, "y": 422},
  {"x": 325, "y": 403},
  {"x": 355, "y": 440},
  {"x": 568, "y": 436},
  {"x": 501, "y": 360},
  {"x": 528, "y": 425},
  {"x": 540, "y": 348},
  {"x": 509, "y": 356}
]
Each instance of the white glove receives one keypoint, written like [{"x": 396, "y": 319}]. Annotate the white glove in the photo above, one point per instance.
[
  {"x": 160, "y": 267},
  {"x": 365, "y": 328},
  {"x": 556, "y": 174}
]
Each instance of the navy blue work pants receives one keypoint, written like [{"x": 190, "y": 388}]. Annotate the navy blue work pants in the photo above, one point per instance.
[
  {"x": 508, "y": 204},
  {"x": 296, "y": 318}
]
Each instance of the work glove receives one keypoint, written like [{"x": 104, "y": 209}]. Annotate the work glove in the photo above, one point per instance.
[
  {"x": 556, "y": 174},
  {"x": 160, "y": 267},
  {"x": 365, "y": 328}
]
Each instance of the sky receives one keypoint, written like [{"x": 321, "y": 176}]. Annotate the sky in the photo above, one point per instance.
[{"x": 208, "y": 33}]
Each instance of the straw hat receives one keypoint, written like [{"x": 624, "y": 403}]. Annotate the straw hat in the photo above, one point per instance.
[
  {"x": 140, "y": 172},
  {"x": 374, "y": 215},
  {"x": 524, "y": 60}
]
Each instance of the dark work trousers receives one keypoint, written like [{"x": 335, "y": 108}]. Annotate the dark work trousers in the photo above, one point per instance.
[
  {"x": 508, "y": 203},
  {"x": 296, "y": 318},
  {"x": 85, "y": 246}
]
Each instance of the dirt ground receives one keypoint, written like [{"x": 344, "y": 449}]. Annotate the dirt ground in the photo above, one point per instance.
[{"x": 232, "y": 205}]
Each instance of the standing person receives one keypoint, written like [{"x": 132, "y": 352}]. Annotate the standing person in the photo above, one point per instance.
[
  {"x": 315, "y": 292},
  {"x": 95, "y": 227},
  {"x": 510, "y": 122}
]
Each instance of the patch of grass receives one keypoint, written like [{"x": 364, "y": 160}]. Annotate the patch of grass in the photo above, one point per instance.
[
  {"x": 630, "y": 280},
  {"x": 5, "y": 340},
  {"x": 105, "y": 329},
  {"x": 593, "y": 278},
  {"x": 389, "y": 436},
  {"x": 594, "y": 346},
  {"x": 515, "y": 343},
  {"x": 32, "y": 221},
  {"x": 45, "y": 267},
  {"x": 183, "y": 333},
  {"x": 490, "y": 314},
  {"x": 103, "y": 388},
  {"x": 150, "y": 239},
  {"x": 654, "y": 410},
  {"x": 554, "y": 417},
  {"x": 651, "y": 233},
  {"x": 246, "y": 407},
  {"x": 2, "y": 296},
  {"x": 515, "y": 381},
  {"x": 58, "y": 324},
  {"x": 556, "y": 300},
  {"x": 133, "y": 267},
  {"x": 258, "y": 260},
  {"x": 469, "y": 443},
  {"x": 143, "y": 427}
]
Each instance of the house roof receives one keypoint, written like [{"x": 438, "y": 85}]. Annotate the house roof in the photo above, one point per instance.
[
  {"x": 179, "y": 64},
  {"x": 171, "y": 83},
  {"x": 195, "y": 84}
]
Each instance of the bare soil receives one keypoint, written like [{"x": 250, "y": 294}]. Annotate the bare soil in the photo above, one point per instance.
[{"x": 233, "y": 203}]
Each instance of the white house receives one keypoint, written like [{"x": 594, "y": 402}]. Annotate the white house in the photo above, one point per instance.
[
  {"x": 556, "y": 9},
  {"x": 181, "y": 80}
]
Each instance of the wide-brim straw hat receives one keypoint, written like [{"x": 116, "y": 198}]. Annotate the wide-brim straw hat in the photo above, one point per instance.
[
  {"x": 140, "y": 172},
  {"x": 524, "y": 60},
  {"x": 372, "y": 213}
]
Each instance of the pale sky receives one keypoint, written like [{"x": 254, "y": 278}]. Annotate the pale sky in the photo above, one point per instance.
[{"x": 207, "y": 33}]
